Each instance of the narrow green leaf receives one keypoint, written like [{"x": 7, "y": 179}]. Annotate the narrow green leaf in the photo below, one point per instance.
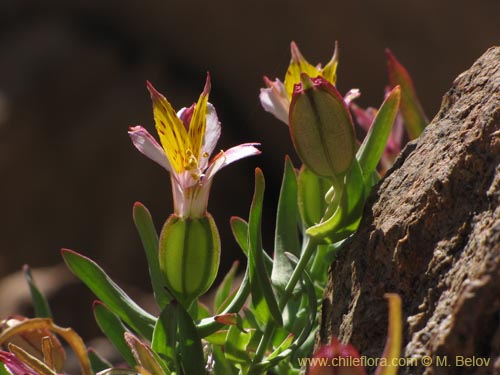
[
  {"x": 143, "y": 355},
  {"x": 97, "y": 362},
  {"x": 282, "y": 347},
  {"x": 260, "y": 276},
  {"x": 239, "y": 228},
  {"x": 235, "y": 348},
  {"x": 191, "y": 351},
  {"x": 203, "y": 311},
  {"x": 373, "y": 145},
  {"x": 111, "y": 294},
  {"x": 208, "y": 326},
  {"x": 114, "y": 330},
  {"x": 413, "y": 114},
  {"x": 221, "y": 365},
  {"x": 3, "y": 370},
  {"x": 286, "y": 235},
  {"x": 149, "y": 237},
  {"x": 165, "y": 336},
  {"x": 40, "y": 303},
  {"x": 224, "y": 289},
  {"x": 217, "y": 338}
]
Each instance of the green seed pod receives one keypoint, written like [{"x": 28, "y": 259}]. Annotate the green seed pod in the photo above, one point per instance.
[
  {"x": 321, "y": 127},
  {"x": 189, "y": 255}
]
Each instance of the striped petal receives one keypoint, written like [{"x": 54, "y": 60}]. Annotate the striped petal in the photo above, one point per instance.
[
  {"x": 147, "y": 145},
  {"x": 298, "y": 65},
  {"x": 173, "y": 135},
  {"x": 198, "y": 122},
  {"x": 225, "y": 158}
]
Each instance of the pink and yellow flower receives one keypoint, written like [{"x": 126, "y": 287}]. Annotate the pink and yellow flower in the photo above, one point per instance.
[
  {"x": 277, "y": 96},
  {"x": 187, "y": 139}
]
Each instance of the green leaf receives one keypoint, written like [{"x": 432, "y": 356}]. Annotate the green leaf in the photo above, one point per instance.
[
  {"x": 311, "y": 192},
  {"x": 221, "y": 365},
  {"x": 3, "y": 370},
  {"x": 235, "y": 348},
  {"x": 208, "y": 326},
  {"x": 203, "y": 311},
  {"x": 286, "y": 236},
  {"x": 149, "y": 237},
  {"x": 217, "y": 338},
  {"x": 97, "y": 362},
  {"x": 224, "y": 289},
  {"x": 262, "y": 293},
  {"x": 413, "y": 114},
  {"x": 239, "y": 228},
  {"x": 165, "y": 336},
  {"x": 191, "y": 351},
  {"x": 114, "y": 330},
  {"x": 111, "y": 294},
  {"x": 40, "y": 304},
  {"x": 282, "y": 347},
  {"x": 143, "y": 355},
  {"x": 373, "y": 145}
]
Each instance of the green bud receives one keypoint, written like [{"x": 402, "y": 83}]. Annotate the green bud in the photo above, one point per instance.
[
  {"x": 189, "y": 256},
  {"x": 321, "y": 127}
]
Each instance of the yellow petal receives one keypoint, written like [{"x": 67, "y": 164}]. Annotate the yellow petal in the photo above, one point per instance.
[
  {"x": 298, "y": 65},
  {"x": 329, "y": 72},
  {"x": 173, "y": 135},
  {"x": 198, "y": 122}
]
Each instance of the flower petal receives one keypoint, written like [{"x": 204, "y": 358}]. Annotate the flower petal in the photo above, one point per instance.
[
  {"x": 329, "y": 72},
  {"x": 198, "y": 122},
  {"x": 212, "y": 135},
  {"x": 148, "y": 146},
  {"x": 173, "y": 135},
  {"x": 298, "y": 65},
  {"x": 15, "y": 365},
  {"x": 224, "y": 158},
  {"x": 275, "y": 100}
]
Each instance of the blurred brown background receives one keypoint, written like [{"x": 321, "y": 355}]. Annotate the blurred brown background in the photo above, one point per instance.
[{"x": 72, "y": 79}]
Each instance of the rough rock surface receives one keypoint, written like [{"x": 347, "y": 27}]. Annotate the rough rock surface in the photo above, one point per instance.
[{"x": 431, "y": 232}]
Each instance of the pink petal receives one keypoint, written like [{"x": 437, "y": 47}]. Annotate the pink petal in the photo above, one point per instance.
[
  {"x": 275, "y": 100},
  {"x": 15, "y": 365},
  {"x": 212, "y": 131},
  {"x": 224, "y": 158},
  {"x": 185, "y": 115},
  {"x": 148, "y": 146},
  {"x": 351, "y": 95}
]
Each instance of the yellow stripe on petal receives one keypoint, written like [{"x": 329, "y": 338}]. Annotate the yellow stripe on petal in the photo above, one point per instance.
[
  {"x": 173, "y": 135},
  {"x": 198, "y": 123},
  {"x": 298, "y": 65}
]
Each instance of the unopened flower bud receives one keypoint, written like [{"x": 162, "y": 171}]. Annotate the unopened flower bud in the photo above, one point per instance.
[
  {"x": 321, "y": 127},
  {"x": 189, "y": 255},
  {"x": 336, "y": 359}
]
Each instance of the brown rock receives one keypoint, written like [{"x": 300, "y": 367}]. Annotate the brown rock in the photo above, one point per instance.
[{"x": 431, "y": 232}]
